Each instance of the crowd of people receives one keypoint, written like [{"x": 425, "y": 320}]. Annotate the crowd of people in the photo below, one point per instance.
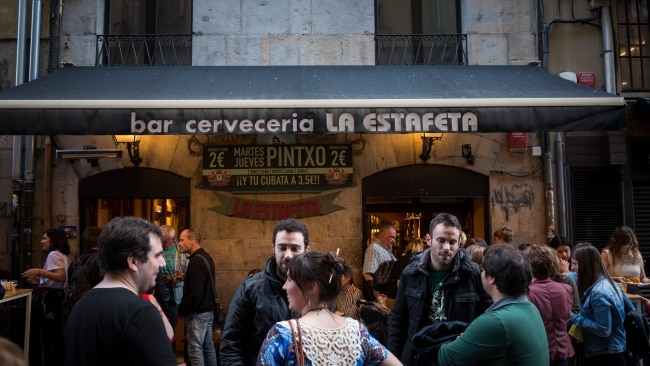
[{"x": 452, "y": 300}]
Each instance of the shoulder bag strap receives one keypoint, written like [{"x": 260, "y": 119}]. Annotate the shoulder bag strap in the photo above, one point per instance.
[
  {"x": 297, "y": 342},
  {"x": 214, "y": 296}
]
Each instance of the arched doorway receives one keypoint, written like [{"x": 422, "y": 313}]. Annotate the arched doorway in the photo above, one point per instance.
[
  {"x": 156, "y": 195},
  {"x": 410, "y": 196}
]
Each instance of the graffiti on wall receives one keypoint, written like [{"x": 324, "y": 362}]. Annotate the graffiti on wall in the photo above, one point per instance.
[{"x": 513, "y": 198}]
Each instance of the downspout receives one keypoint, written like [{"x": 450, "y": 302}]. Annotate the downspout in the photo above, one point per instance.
[
  {"x": 17, "y": 255},
  {"x": 608, "y": 50},
  {"x": 28, "y": 182},
  {"x": 546, "y": 137},
  {"x": 561, "y": 186}
]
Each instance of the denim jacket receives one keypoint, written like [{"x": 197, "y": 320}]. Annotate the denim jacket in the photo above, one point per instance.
[{"x": 601, "y": 318}]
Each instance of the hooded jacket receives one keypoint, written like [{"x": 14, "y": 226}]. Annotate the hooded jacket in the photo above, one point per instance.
[
  {"x": 257, "y": 305},
  {"x": 464, "y": 296}
]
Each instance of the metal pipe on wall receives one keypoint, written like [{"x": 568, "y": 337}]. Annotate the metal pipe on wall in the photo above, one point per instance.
[
  {"x": 608, "y": 50},
  {"x": 561, "y": 227},
  {"x": 35, "y": 43},
  {"x": 16, "y": 170}
]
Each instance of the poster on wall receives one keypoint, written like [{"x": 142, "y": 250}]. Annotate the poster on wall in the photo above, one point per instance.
[
  {"x": 70, "y": 231},
  {"x": 275, "y": 168}
]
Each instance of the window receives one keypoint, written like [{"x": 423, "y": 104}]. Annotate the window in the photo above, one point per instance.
[
  {"x": 149, "y": 17},
  {"x": 634, "y": 52},
  {"x": 396, "y": 17},
  {"x": 146, "y": 32},
  {"x": 419, "y": 32}
]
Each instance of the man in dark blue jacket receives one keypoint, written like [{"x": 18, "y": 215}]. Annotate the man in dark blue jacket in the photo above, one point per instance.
[
  {"x": 439, "y": 285},
  {"x": 260, "y": 301}
]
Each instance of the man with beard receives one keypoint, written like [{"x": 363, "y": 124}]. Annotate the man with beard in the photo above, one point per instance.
[
  {"x": 111, "y": 324},
  {"x": 439, "y": 285},
  {"x": 260, "y": 301}
]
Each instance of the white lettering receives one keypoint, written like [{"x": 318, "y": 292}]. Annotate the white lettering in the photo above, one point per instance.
[{"x": 153, "y": 126}]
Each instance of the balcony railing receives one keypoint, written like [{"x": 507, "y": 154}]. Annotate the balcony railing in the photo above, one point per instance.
[
  {"x": 144, "y": 50},
  {"x": 412, "y": 49}
]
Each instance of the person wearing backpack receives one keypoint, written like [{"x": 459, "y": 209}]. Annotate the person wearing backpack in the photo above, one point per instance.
[
  {"x": 376, "y": 253},
  {"x": 84, "y": 272}
]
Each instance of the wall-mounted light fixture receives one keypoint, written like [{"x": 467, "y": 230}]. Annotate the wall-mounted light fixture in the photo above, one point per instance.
[
  {"x": 90, "y": 153},
  {"x": 427, "y": 144},
  {"x": 132, "y": 143},
  {"x": 467, "y": 153}
]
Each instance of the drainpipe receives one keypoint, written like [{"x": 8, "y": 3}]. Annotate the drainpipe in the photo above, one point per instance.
[
  {"x": 560, "y": 228},
  {"x": 548, "y": 175},
  {"x": 28, "y": 182},
  {"x": 17, "y": 255},
  {"x": 608, "y": 50}
]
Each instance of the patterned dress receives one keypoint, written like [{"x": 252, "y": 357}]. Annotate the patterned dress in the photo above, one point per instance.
[{"x": 348, "y": 345}]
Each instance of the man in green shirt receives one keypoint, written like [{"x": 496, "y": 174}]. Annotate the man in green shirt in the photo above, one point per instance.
[
  {"x": 175, "y": 265},
  {"x": 511, "y": 331}
]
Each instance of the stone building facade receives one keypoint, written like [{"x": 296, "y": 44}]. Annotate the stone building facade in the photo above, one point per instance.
[{"x": 337, "y": 32}]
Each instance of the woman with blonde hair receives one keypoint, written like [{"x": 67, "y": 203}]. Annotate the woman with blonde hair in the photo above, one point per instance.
[{"x": 622, "y": 258}]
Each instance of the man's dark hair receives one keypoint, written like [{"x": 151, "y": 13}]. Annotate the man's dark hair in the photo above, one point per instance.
[
  {"x": 509, "y": 267},
  {"x": 125, "y": 237},
  {"x": 90, "y": 237},
  {"x": 558, "y": 241},
  {"x": 291, "y": 226},
  {"x": 447, "y": 220},
  {"x": 58, "y": 241}
]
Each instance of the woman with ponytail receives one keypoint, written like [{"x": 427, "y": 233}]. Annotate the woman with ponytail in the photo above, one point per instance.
[{"x": 320, "y": 336}]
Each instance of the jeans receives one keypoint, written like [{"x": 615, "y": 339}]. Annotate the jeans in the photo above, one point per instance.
[{"x": 200, "y": 348}]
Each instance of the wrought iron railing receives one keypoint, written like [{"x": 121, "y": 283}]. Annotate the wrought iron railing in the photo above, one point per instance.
[
  {"x": 420, "y": 49},
  {"x": 144, "y": 50}
]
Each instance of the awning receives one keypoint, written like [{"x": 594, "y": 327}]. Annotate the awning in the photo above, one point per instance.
[{"x": 304, "y": 99}]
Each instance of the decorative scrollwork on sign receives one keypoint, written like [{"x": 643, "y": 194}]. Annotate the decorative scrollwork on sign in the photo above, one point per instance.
[
  {"x": 194, "y": 146},
  {"x": 360, "y": 140}
]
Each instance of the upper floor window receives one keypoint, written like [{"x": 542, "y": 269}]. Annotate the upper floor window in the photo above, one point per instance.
[
  {"x": 146, "y": 32},
  {"x": 398, "y": 17},
  {"x": 634, "y": 52},
  {"x": 419, "y": 32},
  {"x": 149, "y": 17}
]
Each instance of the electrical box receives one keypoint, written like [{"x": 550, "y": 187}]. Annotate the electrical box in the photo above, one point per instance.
[
  {"x": 593, "y": 4},
  {"x": 518, "y": 141},
  {"x": 586, "y": 79}
]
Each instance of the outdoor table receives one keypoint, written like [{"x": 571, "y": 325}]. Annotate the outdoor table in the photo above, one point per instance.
[{"x": 15, "y": 295}]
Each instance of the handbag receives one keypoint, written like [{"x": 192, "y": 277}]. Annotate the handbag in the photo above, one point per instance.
[
  {"x": 219, "y": 318},
  {"x": 297, "y": 342}
]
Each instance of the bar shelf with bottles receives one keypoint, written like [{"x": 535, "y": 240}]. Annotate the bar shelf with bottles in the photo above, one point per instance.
[{"x": 412, "y": 226}]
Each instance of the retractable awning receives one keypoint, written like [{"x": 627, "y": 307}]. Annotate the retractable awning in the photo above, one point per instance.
[{"x": 304, "y": 99}]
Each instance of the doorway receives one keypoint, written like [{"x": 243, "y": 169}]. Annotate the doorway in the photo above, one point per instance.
[
  {"x": 409, "y": 197},
  {"x": 158, "y": 196}
]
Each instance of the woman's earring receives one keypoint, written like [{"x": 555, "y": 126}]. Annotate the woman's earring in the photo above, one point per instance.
[{"x": 309, "y": 302}]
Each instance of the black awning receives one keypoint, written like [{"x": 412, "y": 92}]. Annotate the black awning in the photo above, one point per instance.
[{"x": 304, "y": 99}]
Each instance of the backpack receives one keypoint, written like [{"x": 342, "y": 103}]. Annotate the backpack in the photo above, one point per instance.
[
  {"x": 636, "y": 337},
  {"x": 79, "y": 281},
  {"x": 383, "y": 275},
  {"x": 376, "y": 318}
]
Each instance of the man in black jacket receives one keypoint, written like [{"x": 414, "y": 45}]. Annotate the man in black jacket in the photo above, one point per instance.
[
  {"x": 439, "y": 285},
  {"x": 260, "y": 301},
  {"x": 197, "y": 305}
]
